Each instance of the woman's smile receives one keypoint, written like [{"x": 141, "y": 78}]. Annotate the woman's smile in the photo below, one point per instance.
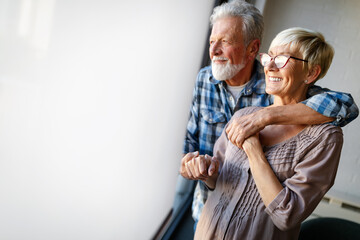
[{"x": 274, "y": 79}]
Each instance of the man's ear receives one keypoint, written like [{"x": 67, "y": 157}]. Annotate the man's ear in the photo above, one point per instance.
[
  {"x": 252, "y": 49},
  {"x": 313, "y": 73}
]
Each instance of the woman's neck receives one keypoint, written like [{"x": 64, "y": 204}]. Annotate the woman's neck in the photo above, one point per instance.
[
  {"x": 281, "y": 101},
  {"x": 292, "y": 97}
]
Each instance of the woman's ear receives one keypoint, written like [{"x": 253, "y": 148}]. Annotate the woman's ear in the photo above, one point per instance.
[
  {"x": 313, "y": 74},
  {"x": 252, "y": 49}
]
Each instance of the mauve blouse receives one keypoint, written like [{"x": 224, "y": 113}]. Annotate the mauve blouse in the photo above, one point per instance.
[{"x": 305, "y": 164}]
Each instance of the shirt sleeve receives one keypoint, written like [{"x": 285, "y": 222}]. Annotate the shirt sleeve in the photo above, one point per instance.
[
  {"x": 191, "y": 142},
  {"x": 220, "y": 147},
  {"x": 312, "y": 179},
  {"x": 338, "y": 105}
]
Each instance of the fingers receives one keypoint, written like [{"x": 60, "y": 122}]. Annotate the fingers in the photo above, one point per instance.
[
  {"x": 239, "y": 140},
  {"x": 230, "y": 131},
  {"x": 203, "y": 167},
  {"x": 235, "y": 133},
  {"x": 214, "y": 166},
  {"x": 197, "y": 167},
  {"x": 189, "y": 171},
  {"x": 188, "y": 157}
]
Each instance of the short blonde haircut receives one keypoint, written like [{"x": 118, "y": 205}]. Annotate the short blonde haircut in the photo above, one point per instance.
[{"x": 310, "y": 44}]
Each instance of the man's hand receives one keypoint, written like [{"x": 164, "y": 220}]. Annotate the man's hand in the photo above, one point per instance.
[
  {"x": 188, "y": 157},
  {"x": 199, "y": 167},
  {"x": 243, "y": 127}
]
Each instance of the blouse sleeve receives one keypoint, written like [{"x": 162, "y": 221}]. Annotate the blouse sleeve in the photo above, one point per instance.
[
  {"x": 313, "y": 177},
  {"x": 220, "y": 147}
]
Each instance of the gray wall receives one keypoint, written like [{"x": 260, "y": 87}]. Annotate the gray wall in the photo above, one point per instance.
[{"x": 339, "y": 21}]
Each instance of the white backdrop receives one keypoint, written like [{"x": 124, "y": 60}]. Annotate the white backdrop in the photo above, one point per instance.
[{"x": 94, "y": 98}]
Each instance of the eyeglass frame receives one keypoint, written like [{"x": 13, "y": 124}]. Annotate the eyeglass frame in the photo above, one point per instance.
[{"x": 273, "y": 59}]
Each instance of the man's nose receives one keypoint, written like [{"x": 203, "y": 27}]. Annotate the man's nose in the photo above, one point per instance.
[{"x": 215, "y": 48}]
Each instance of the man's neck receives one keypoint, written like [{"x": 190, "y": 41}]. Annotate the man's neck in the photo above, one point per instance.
[{"x": 241, "y": 77}]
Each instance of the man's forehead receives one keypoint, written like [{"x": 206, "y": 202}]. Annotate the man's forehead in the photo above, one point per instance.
[{"x": 229, "y": 26}]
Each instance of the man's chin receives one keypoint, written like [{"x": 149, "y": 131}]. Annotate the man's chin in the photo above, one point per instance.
[
  {"x": 219, "y": 71},
  {"x": 223, "y": 72},
  {"x": 222, "y": 75}
]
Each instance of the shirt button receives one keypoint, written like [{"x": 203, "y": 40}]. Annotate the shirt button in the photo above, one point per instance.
[
  {"x": 339, "y": 118},
  {"x": 231, "y": 98},
  {"x": 248, "y": 91}
]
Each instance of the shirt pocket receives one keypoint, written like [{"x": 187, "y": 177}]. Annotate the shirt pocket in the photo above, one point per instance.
[{"x": 212, "y": 117}]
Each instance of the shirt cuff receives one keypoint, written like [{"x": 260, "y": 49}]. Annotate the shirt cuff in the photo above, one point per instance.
[{"x": 276, "y": 202}]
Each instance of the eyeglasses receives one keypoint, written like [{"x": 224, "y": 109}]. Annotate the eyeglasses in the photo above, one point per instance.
[{"x": 280, "y": 60}]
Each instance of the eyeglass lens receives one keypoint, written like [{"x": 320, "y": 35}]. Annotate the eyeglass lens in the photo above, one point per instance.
[{"x": 279, "y": 60}]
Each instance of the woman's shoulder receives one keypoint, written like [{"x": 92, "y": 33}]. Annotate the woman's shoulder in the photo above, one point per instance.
[
  {"x": 325, "y": 133},
  {"x": 324, "y": 128},
  {"x": 246, "y": 111}
]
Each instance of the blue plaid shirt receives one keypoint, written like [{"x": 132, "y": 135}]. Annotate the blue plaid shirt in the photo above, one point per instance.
[{"x": 211, "y": 110}]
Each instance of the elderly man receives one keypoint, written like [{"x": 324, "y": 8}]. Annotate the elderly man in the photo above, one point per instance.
[{"x": 235, "y": 80}]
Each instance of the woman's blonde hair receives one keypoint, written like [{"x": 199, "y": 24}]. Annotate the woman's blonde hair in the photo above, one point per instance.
[{"x": 310, "y": 44}]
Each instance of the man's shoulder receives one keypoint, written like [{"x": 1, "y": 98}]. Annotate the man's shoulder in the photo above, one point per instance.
[
  {"x": 205, "y": 73},
  {"x": 206, "y": 69},
  {"x": 205, "y": 78}
]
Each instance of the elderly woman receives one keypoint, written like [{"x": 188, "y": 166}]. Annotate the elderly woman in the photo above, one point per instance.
[{"x": 266, "y": 189}]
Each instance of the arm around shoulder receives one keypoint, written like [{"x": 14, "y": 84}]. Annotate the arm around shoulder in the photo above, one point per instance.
[{"x": 337, "y": 105}]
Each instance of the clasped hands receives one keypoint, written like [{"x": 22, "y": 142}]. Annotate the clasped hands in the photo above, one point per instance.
[
  {"x": 241, "y": 128},
  {"x": 198, "y": 167}
]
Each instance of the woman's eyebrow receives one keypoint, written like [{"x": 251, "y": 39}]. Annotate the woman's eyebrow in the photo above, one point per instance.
[{"x": 280, "y": 53}]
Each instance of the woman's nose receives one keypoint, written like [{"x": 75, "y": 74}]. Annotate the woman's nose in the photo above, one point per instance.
[{"x": 271, "y": 65}]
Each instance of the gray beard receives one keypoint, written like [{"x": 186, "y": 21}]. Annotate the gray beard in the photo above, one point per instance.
[{"x": 225, "y": 71}]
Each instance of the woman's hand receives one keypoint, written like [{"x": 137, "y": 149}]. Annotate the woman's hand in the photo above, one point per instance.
[
  {"x": 252, "y": 143},
  {"x": 242, "y": 128}
]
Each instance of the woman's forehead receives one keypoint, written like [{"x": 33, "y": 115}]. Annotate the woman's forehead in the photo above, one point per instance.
[{"x": 290, "y": 49}]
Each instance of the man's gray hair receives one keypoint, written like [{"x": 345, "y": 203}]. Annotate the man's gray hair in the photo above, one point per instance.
[{"x": 253, "y": 22}]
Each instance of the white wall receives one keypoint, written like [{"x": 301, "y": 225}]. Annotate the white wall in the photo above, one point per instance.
[
  {"x": 339, "y": 21},
  {"x": 94, "y": 99}
]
